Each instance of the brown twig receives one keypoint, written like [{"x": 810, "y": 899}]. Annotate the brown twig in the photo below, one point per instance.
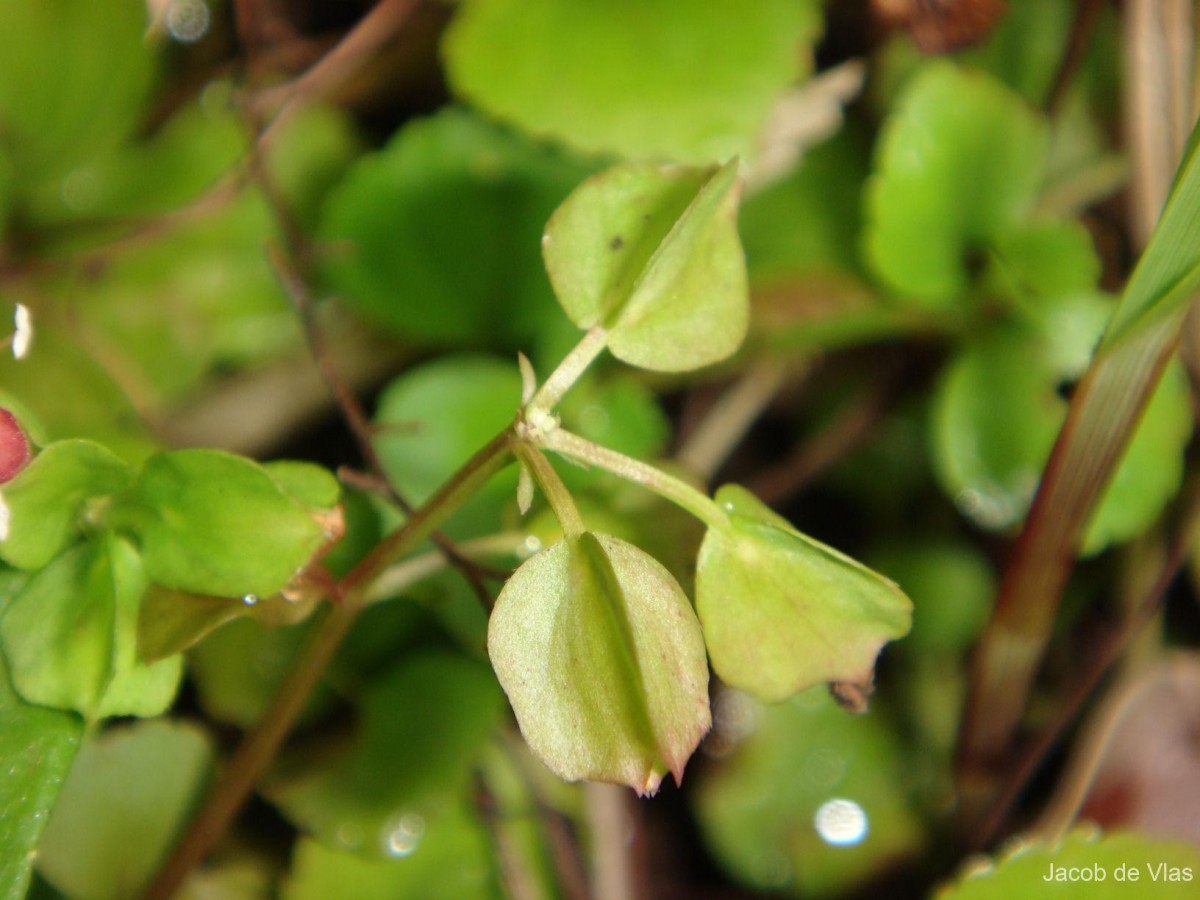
[{"x": 346, "y": 58}]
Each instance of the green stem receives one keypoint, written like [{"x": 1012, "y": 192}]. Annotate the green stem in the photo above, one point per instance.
[
  {"x": 573, "y": 365},
  {"x": 260, "y": 746},
  {"x": 557, "y": 495},
  {"x": 424, "y": 521},
  {"x": 674, "y": 489}
]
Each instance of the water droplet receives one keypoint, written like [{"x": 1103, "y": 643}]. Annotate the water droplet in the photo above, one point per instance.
[
  {"x": 531, "y": 545},
  {"x": 403, "y": 839},
  {"x": 841, "y": 823},
  {"x": 250, "y": 599},
  {"x": 727, "y": 506},
  {"x": 187, "y": 20}
]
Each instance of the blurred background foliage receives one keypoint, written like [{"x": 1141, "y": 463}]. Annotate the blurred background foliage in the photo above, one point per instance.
[{"x": 936, "y": 221}]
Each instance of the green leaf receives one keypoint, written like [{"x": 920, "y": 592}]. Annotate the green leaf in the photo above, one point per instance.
[
  {"x": 602, "y": 659},
  {"x": 237, "y": 670},
  {"x": 421, "y": 725},
  {"x": 758, "y": 807},
  {"x": 444, "y": 859},
  {"x": 72, "y": 396},
  {"x": 214, "y": 523},
  {"x": 313, "y": 485},
  {"x": 1047, "y": 259},
  {"x": 809, "y": 221},
  {"x": 782, "y": 612},
  {"x": 1150, "y": 473},
  {"x": 693, "y": 82},
  {"x": 45, "y": 500},
  {"x": 70, "y": 636},
  {"x": 137, "y": 687},
  {"x": 958, "y": 163},
  {"x": 431, "y": 419},
  {"x": 57, "y": 115},
  {"x": 1025, "y": 50},
  {"x": 997, "y": 412},
  {"x": 1114, "y": 866},
  {"x": 1168, "y": 272},
  {"x": 57, "y": 633},
  {"x": 36, "y": 750},
  {"x": 129, "y": 791},
  {"x": 436, "y": 235},
  {"x": 172, "y": 621},
  {"x": 652, "y": 254},
  {"x": 951, "y": 585},
  {"x": 995, "y": 416}
]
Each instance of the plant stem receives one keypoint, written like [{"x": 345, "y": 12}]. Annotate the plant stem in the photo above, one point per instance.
[
  {"x": 674, "y": 489},
  {"x": 259, "y": 747},
  {"x": 573, "y": 365},
  {"x": 552, "y": 486},
  {"x": 253, "y": 755},
  {"x": 494, "y": 456}
]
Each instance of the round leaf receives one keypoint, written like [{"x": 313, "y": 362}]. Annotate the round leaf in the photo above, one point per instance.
[
  {"x": 37, "y": 746},
  {"x": 57, "y": 633},
  {"x": 959, "y": 161},
  {"x": 758, "y": 806},
  {"x": 214, "y": 523},
  {"x": 422, "y": 725},
  {"x": 435, "y": 236},
  {"x": 602, "y": 659},
  {"x": 44, "y": 500},
  {"x": 657, "y": 78},
  {"x": 782, "y": 612},
  {"x": 652, "y": 254},
  {"x": 129, "y": 791}
]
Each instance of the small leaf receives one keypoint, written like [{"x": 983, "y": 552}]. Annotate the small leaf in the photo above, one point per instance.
[
  {"x": 782, "y": 612},
  {"x": 652, "y": 254},
  {"x": 430, "y": 420},
  {"x": 307, "y": 482},
  {"x": 777, "y": 767},
  {"x": 120, "y": 808},
  {"x": 138, "y": 687},
  {"x": 422, "y": 725},
  {"x": 602, "y": 659},
  {"x": 435, "y": 235},
  {"x": 36, "y": 749},
  {"x": 444, "y": 858},
  {"x": 57, "y": 633},
  {"x": 1048, "y": 259},
  {"x": 214, "y": 523},
  {"x": 171, "y": 621},
  {"x": 657, "y": 78},
  {"x": 958, "y": 163},
  {"x": 44, "y": 500}
]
